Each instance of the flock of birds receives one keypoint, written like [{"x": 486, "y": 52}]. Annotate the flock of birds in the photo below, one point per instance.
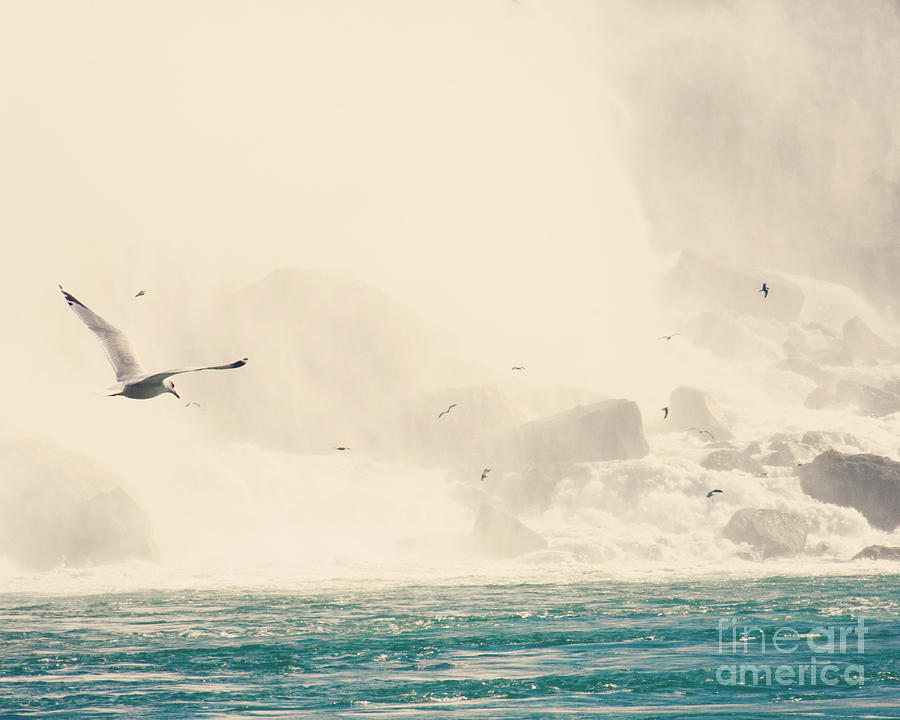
[{"x": 133, "y": 381}]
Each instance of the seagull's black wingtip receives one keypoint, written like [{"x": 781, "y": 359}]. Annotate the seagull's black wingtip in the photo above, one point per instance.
[
  {"x": 239, "y": 363},
  {"x": 71, "y": 299}
]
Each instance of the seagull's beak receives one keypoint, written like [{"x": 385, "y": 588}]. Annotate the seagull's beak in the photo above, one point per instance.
[{"x": 175, "y": 394}]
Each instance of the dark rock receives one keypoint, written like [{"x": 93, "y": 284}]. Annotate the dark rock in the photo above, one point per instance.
[
  {"x": 772, "y": 533},
  {"x": 500, "y": 535},
  {"x": 727, "y": 459},
  {"x": 878, "y": 552},
  {"x": 868, "y": 483}
]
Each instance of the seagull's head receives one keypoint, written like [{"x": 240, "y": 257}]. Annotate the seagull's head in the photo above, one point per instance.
[{"x": 170, "y": 387}]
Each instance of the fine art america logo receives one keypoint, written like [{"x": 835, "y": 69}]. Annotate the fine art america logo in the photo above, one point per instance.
[{"x": 827, "y": 647}]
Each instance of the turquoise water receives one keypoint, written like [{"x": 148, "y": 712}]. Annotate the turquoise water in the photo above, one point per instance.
[{"x": 598, "y": 649}]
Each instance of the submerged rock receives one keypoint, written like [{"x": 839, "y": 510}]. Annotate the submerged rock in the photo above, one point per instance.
[
  {"x": 772, "y": 533},
  {"x": 878, "y": 552},
  {"x": 868, "y": 483}
]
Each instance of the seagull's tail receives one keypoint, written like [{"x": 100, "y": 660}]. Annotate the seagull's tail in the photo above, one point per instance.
[{"x": 116, "y": 389}]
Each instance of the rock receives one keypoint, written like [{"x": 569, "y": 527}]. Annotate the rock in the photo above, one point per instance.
[
  {"x": 860, "y": 342},
  {"x": 62, "y": 508},
  {"x": 868, "y": 483},
  {"x": 785, "y": 453},
  {"x": 691, "y": 408},
  {"x": 867, "y": 399},
  {"x": 878, "y": 552},
  {"x": 727, "y": 459},
  {"x": 608, "y": 430},
  {"x": 822, "y": 440},
  {"x": 772, "y": 533},
  {"x": 698, "y": 282},
  {"x": 500, "y": 535}
]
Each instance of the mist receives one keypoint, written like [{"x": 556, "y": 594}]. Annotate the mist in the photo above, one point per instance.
[{"x": 386, "y": 208}]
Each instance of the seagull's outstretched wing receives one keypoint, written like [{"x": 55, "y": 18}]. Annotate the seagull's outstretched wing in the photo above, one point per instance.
[
  {"x": 157, "y": 377},
  {"x": 115, "y": 343}
]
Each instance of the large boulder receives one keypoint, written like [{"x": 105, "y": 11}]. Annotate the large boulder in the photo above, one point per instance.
[
  {"x": 692, "y": 408},
  {"x": 728, "y": 459},
  {"x": 608, "y": 430},
  {"x": 878, "y": 552},
  {"x": 62, "y": 508},
  {"x": 500, "y": 535},
  {"x": 868, "y": 483},
  {"x": 867, "y": 399},
  {"x": 772, "y": 533}
]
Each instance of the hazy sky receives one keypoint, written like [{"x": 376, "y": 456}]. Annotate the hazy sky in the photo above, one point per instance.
[{"x": 505, "y": 168}]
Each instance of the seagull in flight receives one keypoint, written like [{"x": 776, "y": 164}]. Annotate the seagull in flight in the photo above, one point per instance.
[
  {"x": 132, "y": 380},
  {"x": 668, "y": 337},
  {"x": 701, "y": 431},
  {"x": 764, "y": 290},
  {"x": 342, "y": 448},
  {"x": 518, "y": 367},
  {"x": 446, "y": 411},
  {"x": 484, "y": 473},
  {"x": 141, "y": 293},
  {"x": 665, "y": 411},
  {"x": 192, "y": 403},
  {"x": 712, "y": 492}
]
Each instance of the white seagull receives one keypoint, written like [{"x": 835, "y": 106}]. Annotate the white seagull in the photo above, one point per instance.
[{"x": 132, "y": 380}]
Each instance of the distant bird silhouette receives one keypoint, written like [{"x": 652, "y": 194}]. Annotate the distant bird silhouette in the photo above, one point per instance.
[
  {"x": 701, "y": 431},
  {"x": 765, "y": 291},
  {"x": 712, "y": 492},
  {"x": 518, "y": 367},
  {"x": 141, "y": 293},
  {"x": 668, "y": 337},
  {"x": 763, "y": 475},
  {"x": 132, "y": 380},
  {"x": 446, "y": 411},
  {"x": 665, "y": 412},
  {"x": 192, "y": 403},
  {"x": 342, "y": 448},
  {"x": 484, "y": 473}
]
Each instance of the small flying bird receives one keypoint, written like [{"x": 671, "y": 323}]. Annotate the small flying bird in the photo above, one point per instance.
[
  {"x": 665, "y": 411},
  {"x": 132, "y": 380},
  {"x": 192, "y": 403},
  {"x": 701, "y": 431},
  {"x": 141, "y": 293},
  {"x": 668, "y": 337},
  {"x": 446, "y": 411},
  {"x": 484, "y": 473},
  {"x": 518, "y": 367},
  {"x": 712, "y": 492},
  {"x": 342, "y": 448},
  {"x": 763, "y": 475},
  {"x": 764, "y": 290}
]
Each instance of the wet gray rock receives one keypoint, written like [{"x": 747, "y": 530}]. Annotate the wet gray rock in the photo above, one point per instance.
[
  {"x": 771, "y": 533},
  {"x": 786, "y": 453},
  {"x": 868, "y": 483},
  {"x": 727, "y": 459},
  {"x": 878, "y": 552},
  {"x": 867, "y": 399}
]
